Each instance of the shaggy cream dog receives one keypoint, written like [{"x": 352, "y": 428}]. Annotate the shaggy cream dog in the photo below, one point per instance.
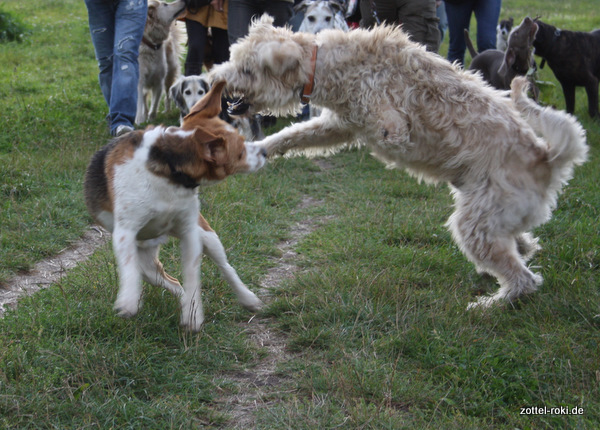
[{"x": 505, "y": 159}]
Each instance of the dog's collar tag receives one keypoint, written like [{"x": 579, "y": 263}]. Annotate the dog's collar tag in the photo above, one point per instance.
[
  {"x": 155, "y": 46},
  {"x": 308, "y": 87}
]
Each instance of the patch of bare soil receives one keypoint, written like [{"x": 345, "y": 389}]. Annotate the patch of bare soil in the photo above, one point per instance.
[
  {"x": 258, "y": 386},
  {"x": 49, "y": 271}
]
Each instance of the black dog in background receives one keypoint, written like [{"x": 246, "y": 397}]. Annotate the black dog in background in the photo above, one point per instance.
[{"x": 574, "y": 57}]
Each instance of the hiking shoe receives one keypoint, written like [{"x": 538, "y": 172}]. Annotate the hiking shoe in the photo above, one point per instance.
[{"x": 122, "y": 129}]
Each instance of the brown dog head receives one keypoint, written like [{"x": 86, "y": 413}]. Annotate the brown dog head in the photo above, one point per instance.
[
  {"x": 205, "y": 149},
  {"x": 519, "y": 53}
]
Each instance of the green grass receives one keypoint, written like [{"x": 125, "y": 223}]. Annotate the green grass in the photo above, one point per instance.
[{"x": 375, "y": 321}]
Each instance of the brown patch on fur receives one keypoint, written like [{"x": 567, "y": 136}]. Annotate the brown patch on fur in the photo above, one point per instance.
[
  {"x": 164, "y": 274},
  {"x": 223, "y": 145},
  {"x": 100, "y": 173},
  {"x": 203, "y": 223},
  {"x": 123, "y": 150}
]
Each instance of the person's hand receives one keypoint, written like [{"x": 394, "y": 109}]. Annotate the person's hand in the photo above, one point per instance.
[{"x": 217, "y": 4}]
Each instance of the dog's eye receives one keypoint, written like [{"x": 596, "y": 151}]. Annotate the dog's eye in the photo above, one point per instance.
[
  {"x": 187, "y": 92},
  {"x": 242, "y": 154},
  {"x": 311, "y": 19},
  {"x": 201, "y": 92},
  {"x": 328, "y": 19},
  {"x": 247, "y": 72}
]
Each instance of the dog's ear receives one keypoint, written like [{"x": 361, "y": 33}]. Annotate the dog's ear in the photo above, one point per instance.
[
  {"x": 211, "y": 148},
  {"x": 280, "y": 57},
  {"x": 151, "y": 12},
  {"x": 209, "y": 106},
  {"x": 302, "y": 6},
  {"x": 534, "y": 27},
  {"x": 177, "y": 95},
  {"x": 509, "y": 59},
  {"x": 338, "y": 6},
  {"x": 217, "y": 151}
]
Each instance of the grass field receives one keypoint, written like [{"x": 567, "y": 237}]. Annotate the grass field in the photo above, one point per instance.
[{"x": 373, "y": 323}]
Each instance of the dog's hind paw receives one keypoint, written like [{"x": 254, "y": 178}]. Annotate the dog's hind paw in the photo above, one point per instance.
[{"x": 484, "y": 302}]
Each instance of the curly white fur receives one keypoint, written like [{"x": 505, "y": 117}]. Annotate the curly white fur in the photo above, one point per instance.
[{"x": 416, "y": 111}]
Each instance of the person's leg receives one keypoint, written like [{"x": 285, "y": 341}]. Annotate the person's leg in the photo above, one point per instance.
[
  {"x": 487, "y": 13},
  {"x": 443, "y": 24},
  {"x": 282, "y": 11},
  {"x": 386, "y": 11},
  {"x": 419, "y": 20},
  {"x": 459, "y": 17},
  {"x": 101, "y": 16},
  {"x": 130, "y": 20},
  {"x": 197, "y": 34},
  {"x": 239, "y": 16},
  {"x": 220, "y": 45}
]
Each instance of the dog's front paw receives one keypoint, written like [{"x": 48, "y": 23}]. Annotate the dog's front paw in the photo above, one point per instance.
[
  {"x": 273, "y": 150},
  {"x": 126, "y": 308},
  {"x": 192, "y": 316}
]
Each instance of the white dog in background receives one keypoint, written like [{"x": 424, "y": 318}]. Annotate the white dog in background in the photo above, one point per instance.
[
  {"x": 321, "y": 15},
  {"x": 160, "y": 56},
  {"x": 502, "y": 31},
  {"x": 506, "y": 160},
  {"x": 187, "y": 91}
]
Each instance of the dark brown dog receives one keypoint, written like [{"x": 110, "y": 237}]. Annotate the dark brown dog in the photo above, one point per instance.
[
  {"x": 500, "y": 68},
  {"x": 574, "y": 57}
]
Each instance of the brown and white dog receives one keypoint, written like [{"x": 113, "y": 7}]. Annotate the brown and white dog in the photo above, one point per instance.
[
  {"x": 143, "y": 188},
  {"x": 159, "y": 58},
  {"x": 506, "y": 160}
]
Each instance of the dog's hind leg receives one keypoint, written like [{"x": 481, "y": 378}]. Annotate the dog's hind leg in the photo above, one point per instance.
[
  {"x": 215, "y": 251},
  {"x": 527, "y": 245},
  {"x": 152, "y": 269},
  {"x": 155, "y": 101},
  {"x": 592, "y": 93},
  {"x": 569, "y": 93},
  {"x": 495, "y": 254}
]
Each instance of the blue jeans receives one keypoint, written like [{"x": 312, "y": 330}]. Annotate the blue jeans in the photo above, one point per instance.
[
  {"x": 117, "y": 27},
  {"x": 487, "y": 13},
  {"x": 241, "y": 12}
]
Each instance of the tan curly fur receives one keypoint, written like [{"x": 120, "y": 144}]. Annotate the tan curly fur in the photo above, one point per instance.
[{"x": 505, "y": 159}]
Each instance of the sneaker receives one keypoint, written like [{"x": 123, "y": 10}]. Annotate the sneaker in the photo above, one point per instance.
[{"x": 122, "y": 129}]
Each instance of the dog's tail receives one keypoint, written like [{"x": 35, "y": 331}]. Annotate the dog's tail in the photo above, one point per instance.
[
  {"x": 565, "y": 137},
  {"x": 469, "y": 44}
]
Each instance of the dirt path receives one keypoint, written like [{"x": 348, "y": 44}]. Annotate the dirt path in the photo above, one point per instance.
[
  {"x": 51, "y": 270},
  {"x": 256, "y": 385},
  {"x": 262, "y": 382}
]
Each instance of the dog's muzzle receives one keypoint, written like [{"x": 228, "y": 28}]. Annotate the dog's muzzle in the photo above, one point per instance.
[{"x": 237, "y": 107}]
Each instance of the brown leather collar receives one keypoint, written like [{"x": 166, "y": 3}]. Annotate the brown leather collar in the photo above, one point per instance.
[
  {"x": 308, "y": 87},
  {"x": 155, "y": 46}
]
